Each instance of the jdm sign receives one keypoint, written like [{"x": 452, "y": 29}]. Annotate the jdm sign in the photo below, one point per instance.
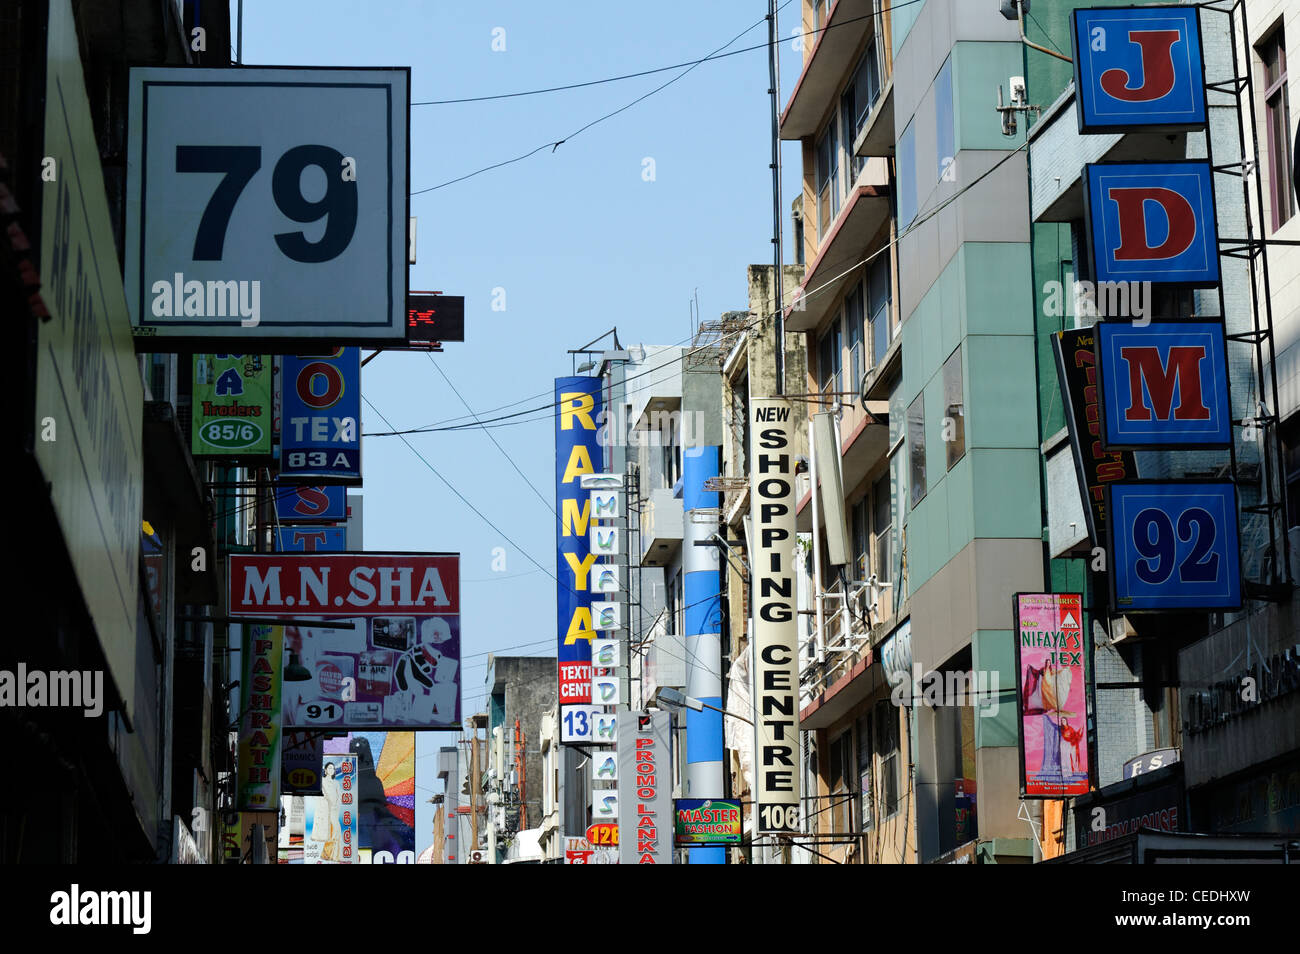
[
  {"x": 1152, "y": 222},
  {"x": 1138, "y": 68},
  {"x": 267, "y": 205},
  {"x": 320, "y": 431},
  {"x": 1163, "y": 385},
  {"x": 1174, "y": 546}
]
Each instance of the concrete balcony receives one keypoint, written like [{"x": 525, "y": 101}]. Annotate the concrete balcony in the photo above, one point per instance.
[
  {"x": 661, "y": 528},
  {"x": 664, "y": 664},
  {"x": 835, "y": 52}
]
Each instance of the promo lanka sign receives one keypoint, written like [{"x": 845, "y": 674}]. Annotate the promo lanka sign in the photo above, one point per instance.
[
  {"x": 1051, "y": 694},
  {"x": 231, "y": 415},
  {"x": 776, "y": 664},
  {"x": 289, "y": 225},
  {"x": 645, "y": 788},
  {"x": 1138, "y": 68},
  {"x": 578, "y": 402},
  {"x": 320, "y": 431},
  {"x": 260, "y": 726},
  {"x": 386, "y": 653}
]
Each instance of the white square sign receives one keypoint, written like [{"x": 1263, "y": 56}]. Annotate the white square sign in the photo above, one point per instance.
[
  {"x": 607, "y": 615},
  {"x": 604, "y": 691},
  {"x": 605, "y": 653},
  {"x": 576, "y": 723},
  {"x": 605, "y": 505},
  {"x": 603, "y": 541},
  {"x": 605, "y": 578},
  {"x": 605, "y": 728},
  {"x": 267, "y": 205}
]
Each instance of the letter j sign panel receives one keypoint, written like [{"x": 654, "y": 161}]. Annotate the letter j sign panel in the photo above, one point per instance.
[
  {"x": 1152, "y": 222},
  {"x": 1138, "y": 68},
  {"x": 1174, "y": 546},
  {"x": 1163, "y": 385}
]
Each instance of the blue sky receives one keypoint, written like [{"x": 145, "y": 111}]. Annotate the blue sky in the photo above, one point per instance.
[{"x": 577, "y": 238}]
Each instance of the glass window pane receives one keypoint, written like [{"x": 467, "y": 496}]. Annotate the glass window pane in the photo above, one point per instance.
[
  {"x": 853, "y": 321},
  {"x": 882, "y": 524},
  {"x": 906, "y": 176},
  {"x": 945, "y": 134},
  {"x": 954, "y": 420},
  {"x": 916, "y": 447}
]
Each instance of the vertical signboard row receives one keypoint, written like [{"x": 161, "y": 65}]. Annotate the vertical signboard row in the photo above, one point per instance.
[
  {"x": 776, "y": 656},
  {"x": 608, "y": 618},
  {"x": 578, "y": 403}
]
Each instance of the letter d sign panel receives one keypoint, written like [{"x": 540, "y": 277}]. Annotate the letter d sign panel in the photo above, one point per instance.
[
  {"x": 1152, "y": 222},
  {"x": 1138, "y": 68}
]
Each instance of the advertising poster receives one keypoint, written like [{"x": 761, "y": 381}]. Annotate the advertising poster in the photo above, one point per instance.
[
  {"x": 705, "y": 821},
  {"x": 387, "y": 651},
  {"x": 578, "y": 402},
  {"x": 645, "y": 788},
  {"x": 330, "y": 819},
  {"x": 1052, "y": 694},
  {"x": 260, "y": 718},
  {"x": 320, "y": 424},
  {"x": 776, "y": 632},
  {"x": 385, "y": 790},
  {"x": 232, "y": 406},
  {"x": 300, "y": 761}
]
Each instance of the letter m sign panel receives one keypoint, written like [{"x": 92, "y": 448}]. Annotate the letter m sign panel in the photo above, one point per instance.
[
  {"x": 1152, "y": 222},
  {"x": 1163, "y": 385},
  {"x": 1138, "y": 68}
]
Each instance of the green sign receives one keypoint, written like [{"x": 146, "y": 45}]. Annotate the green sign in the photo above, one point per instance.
[
  {"x": 260, "y": 722},
  {"x": 707, "y": 821},
  {"x": 232, "y": 406}
]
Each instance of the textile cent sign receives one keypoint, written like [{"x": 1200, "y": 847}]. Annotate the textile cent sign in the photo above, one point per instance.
[{"x": 267, "y": 204}]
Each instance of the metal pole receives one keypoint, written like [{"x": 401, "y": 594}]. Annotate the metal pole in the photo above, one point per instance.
[{"x": 773, "y": 92}]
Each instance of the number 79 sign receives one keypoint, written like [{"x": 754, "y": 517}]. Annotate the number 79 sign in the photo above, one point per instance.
[
  {"x": 1174, "y": 545},
  {"x": 267, "y": 205}
]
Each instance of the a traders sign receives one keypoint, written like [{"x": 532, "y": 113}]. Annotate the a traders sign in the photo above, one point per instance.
[
  {"x": 231, "y": 414},
  {"x": 1138, "y": 68},
  {"x": 386, "y": 653},
  {"x": 267, "y": 205},
  {"x": 1174, "y": 546},
  {"x": 1163, "y": 385},
  {"x": 1152, "y": 222},
  {"x": 320, "y": 431},
  {"x": 776, "y": 665},
  {"x": 577, "y": 453}
]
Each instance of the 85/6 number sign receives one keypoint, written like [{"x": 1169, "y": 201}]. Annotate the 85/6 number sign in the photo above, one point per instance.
[
  {"x": 1174, "y": 546},
  {"x": 267, "y": 205}
]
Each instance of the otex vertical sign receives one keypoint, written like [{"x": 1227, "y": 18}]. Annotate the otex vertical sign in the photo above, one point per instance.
[
  {"x": 321, "y": 422},
  {"x": 776, "y": 662},
  {"x": 578, "y": 404}
]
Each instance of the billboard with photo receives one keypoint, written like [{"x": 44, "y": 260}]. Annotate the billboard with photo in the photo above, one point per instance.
[
  {"x": 386, "y": 653},
  {"x": 1051, "y": 681},
  {"x": 330, "y": 819},
  {"x": 385, "y": 790},
  {"x": 290, "y": 225}
]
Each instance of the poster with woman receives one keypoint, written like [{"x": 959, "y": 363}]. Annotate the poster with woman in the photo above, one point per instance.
[
  {"x": 1051, "y": 694},
  {"x": 330, "y": 820}
]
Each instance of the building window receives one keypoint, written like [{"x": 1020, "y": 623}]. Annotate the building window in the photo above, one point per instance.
[
  {"x": 865, "y": 786},
  {"x": 828, "y": 362},
  {"x": 828, "y": 168},
  {"x": 1278, "y": 121},
  {"x": 853, "y": 324},
  {"x": 905, "y": 176},
  {"x": 841, "y": 779},
  {"x": 878, "y": 300},
  {"x": 856, "y": 103},
  {"x": 954, "y": 414},
  {"x": 887, "y": 752},
  {"x": 916, "y": 447},
  {"x": 945, "y": 128},
  {"x": 883, "y": 523},
  {"x": 861, "y": 512}
]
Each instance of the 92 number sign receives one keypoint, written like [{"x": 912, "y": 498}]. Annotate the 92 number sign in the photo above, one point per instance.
[{"x": 1174, "y": 545}]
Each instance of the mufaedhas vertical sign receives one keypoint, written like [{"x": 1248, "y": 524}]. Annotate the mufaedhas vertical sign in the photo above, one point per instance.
[{"x": 776, "y": 667}]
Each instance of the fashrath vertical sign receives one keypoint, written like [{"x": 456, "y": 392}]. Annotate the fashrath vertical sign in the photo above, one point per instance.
[
  {"x": 776, "y": 662},
  {"x": 645, "y": 788},
  {"x": 578, "y": 404}
]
